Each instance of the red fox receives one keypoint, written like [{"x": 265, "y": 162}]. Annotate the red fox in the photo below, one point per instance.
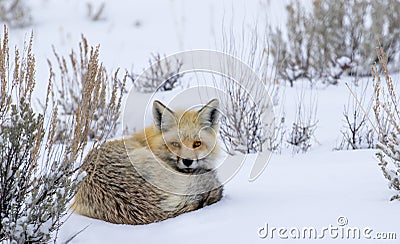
[{"x": 161, "y": 172}]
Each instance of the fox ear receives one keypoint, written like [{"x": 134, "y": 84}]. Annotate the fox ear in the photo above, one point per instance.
[
  {"x": 209, "y": 114},
  {"x": 163, "y": 117}
]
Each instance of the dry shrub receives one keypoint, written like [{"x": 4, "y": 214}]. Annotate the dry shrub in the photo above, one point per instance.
[
  {"x": 38, "y": 176},
  {"x": 387, "y": 115},
  {"x": 83, "y": 73},
  {"x": 247, "y": 123},
  {"x": 242, "y": 128},
  {"x": 305, "y": 123},
  {"x": 163, "y": 75},
  {"x": 357, "y": 132},
  {"x": 334, "y": 38}
]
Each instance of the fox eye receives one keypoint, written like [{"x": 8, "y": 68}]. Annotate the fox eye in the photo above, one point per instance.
[
  {"x": 196, "y": 144},
  {"x": 176, "y": 144}
]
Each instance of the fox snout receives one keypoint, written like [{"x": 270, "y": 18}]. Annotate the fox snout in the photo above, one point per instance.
[
  {"x": 188, "y": 165},
  {"x": 187, "y": 162}
]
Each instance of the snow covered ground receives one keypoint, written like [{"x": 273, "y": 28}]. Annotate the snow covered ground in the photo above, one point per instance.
[
  {"x": 295, "y": 191},
  {"x": 309, "y": 190}
]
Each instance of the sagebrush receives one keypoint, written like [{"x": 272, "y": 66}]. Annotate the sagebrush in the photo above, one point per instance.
[
  {"x": 305, "y": 123},
  {"x": 162, "y": 75},
  {"x": 38, "y": 175},
  {"x": 247, "y": 124},
  {"x": 336, "y": 38},
  {"x": 357, "y": 132},
  {"x": 78, "y": 74},
  {"x": 387, "y": 114}
]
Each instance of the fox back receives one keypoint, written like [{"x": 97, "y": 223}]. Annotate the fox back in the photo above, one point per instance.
[{"x": 161, "y": 172}]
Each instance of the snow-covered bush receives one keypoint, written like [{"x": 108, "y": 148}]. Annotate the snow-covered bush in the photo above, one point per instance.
[
  {"x": 387, "y": 115},
  {"x": 304, "y": 125},
  {"x": 162, "y": 76},
  {"x": 78, "y": 73},
  {"x": 247, "y": 121},
  {"x": 357, "y": 132},
  {"x": 293, "y": 57},
  {"x": 241, "y": 127},
  {"x": 15, "y": 13},
  {"x": 38, "y": 177},
  {"x": 334, "y": 38}
]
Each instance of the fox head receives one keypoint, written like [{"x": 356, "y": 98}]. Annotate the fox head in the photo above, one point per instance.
[{"x": 186, "y": 140}]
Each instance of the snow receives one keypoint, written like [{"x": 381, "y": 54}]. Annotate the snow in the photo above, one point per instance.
[
  {"x": 311, "y": 189},
  {"x": 301, "y": 190},
  {"x": 342, "y": 61}
]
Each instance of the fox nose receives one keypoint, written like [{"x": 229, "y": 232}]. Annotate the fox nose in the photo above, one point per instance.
[{"x": 187, "y": 162}]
